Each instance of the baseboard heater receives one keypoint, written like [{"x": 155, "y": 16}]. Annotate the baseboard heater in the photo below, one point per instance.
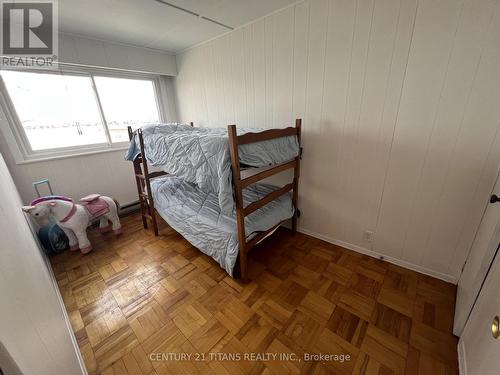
[{"x": 129, "y": 208}]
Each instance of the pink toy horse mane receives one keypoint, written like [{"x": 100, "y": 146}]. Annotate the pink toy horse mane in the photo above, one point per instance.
[{"x": 50, "y": 197}]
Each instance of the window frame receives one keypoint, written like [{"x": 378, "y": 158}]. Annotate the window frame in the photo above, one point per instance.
[{"x": 27, "y": 154}]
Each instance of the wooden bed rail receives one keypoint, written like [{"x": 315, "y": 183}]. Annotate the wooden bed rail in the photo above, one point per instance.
[
  {"x": 239, "y": 184},
  {"x": 267, "y": 199},
  {"x": 265, "y": 135},
  {"x": 267, "y": 173}
]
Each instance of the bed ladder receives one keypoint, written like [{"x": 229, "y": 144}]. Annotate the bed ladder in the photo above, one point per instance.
[{"x": 143, "y": 182}]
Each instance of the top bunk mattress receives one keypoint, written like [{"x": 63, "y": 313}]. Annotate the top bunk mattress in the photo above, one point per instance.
[
  {"x": 201, "y": 155},
  {"x": 197, "y": 216}
]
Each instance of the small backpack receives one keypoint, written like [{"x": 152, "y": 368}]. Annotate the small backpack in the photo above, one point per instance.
[{"x": 53, "y": 239}]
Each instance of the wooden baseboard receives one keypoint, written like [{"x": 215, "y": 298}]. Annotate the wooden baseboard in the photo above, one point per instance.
[
  {"x": 65, "y": 314},
  {"x": 374, "y": 254},
  {"x": 462, "y": 368}
]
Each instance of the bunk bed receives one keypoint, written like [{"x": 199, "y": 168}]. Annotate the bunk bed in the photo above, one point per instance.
[{"x": 191, "y": 191}]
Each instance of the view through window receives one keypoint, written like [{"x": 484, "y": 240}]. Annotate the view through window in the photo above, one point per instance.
[
  {"x": 126, "y": 102},
  {"x": 61, "y": 110}
]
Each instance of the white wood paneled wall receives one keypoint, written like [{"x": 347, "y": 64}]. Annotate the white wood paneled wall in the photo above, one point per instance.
[
  {"x": 34, "y": 326},
  {"x": 401, "y": 108}
]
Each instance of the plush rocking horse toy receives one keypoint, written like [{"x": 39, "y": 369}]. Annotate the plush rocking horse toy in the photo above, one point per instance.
[{"x": 74, "y": 218}]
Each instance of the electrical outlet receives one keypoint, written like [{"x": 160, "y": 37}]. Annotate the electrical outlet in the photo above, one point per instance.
[{"x": 368, "y": 236}]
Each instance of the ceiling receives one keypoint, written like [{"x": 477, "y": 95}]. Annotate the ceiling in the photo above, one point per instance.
[{"x": 155, "y": 24}]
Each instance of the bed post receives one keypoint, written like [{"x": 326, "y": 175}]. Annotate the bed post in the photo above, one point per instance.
[
  {"x": 238, "y": 193},
  {"x": 139, "y": 182},
  {"x": 296, "y": 175}
]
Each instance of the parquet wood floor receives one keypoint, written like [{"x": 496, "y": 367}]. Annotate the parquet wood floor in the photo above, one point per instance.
[{"x": 139, "y": 294}]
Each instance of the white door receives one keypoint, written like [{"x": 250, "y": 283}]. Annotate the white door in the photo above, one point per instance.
[
  {"x": 479, "y": 345},
  {"x": 478, "y": 262}
]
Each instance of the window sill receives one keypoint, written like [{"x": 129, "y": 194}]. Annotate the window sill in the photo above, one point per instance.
[{"x": 37, "y": 158}]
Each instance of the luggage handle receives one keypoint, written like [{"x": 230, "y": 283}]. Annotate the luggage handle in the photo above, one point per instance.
[{"x": 41, "y": 182}]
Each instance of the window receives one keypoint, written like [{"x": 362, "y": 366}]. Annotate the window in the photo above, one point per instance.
[
  {"x": 126, "y": 102},
  {"x": 63, "y": 112},
  {"x": 55, "y": 111}
]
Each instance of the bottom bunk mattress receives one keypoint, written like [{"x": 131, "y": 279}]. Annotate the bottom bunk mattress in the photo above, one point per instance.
[{"x": 196, "y": 215}]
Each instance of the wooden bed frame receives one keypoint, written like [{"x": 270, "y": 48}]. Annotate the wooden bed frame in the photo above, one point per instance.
[{"x": 143, "y": 180}]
